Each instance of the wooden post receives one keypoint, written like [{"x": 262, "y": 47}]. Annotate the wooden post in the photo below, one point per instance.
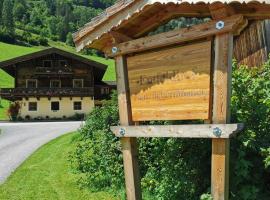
[
  {"x": 129, "y": 145},
  {"x": 221, "y": 114}
]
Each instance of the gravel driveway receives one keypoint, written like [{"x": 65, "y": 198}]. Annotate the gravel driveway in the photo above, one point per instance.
[{"x": 19, "y": 140}]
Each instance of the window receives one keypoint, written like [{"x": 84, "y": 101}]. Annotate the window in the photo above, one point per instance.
[
  {"x": 77, "y": 83},
  {"x": 31, "y": 83},
  {"x": 47, "y": 63},
  {"x": 55, "y": 83},
  {"x": 32, "y": 106},
  {"x": 77, "y": 105},
  {"x": 62, "y": 63},
  {"x": 54, "y": 105},
  {"x": 105, "y": 90}
]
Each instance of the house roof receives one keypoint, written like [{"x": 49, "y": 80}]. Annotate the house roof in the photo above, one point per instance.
[
  {"x": 135, "y": 18},
  {"x": 10, "y": 62}
]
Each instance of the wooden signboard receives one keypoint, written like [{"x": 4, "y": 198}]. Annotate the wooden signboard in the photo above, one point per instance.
[{"x": 171, "y": 83}]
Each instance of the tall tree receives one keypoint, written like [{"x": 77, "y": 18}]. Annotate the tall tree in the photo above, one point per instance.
[
  {"x": 19, "y": 10},
  {"x": 1, "y": 7},
  {"x": 7, "y": 17}
]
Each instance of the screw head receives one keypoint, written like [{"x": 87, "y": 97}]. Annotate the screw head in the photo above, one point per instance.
[
  {"x": 114, "y": 49},
  {"x": 220, "y": 25},
  {"x": 217, "y": 132},
  {"x": 122, "y": 131}
]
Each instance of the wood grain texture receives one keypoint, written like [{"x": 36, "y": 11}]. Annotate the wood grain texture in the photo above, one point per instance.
[
  {"x": 171, "y": 84},
  {"x": 221, "y": 114},
  {"x": 129, "y": 145},
  {"x": 179, "y": 131},
  {"x": 231, "y": 24}
]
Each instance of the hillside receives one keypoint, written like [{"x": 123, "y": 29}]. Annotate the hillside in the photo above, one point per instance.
[{"x": 9, "y": 51}]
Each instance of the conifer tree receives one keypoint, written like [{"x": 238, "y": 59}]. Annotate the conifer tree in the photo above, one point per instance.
[
  {"x": 7, "y": 17},
  {"x": 1, "y": 7}
]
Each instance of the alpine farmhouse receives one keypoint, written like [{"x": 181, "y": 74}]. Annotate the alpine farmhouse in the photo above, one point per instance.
[{"x": 53, "y": 83}]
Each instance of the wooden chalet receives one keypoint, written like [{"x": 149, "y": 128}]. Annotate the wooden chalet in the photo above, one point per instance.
[
  {"x": 53, "y": 83},
  {"x": 144, "y": 61}
]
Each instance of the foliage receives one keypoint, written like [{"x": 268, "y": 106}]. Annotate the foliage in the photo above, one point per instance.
[
  {"x": 47, "y": 175},
  {"x": 180, "y": 168},
  {"x": 13, "y": 110},
  {"x": 56, "y": 18},
  {"x": 7, "y": 29},
  {"x": 249, "y": 161},
  {"x": 93, "y": 158}
]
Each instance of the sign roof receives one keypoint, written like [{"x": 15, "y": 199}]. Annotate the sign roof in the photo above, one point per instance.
[{"x": 134, "y": 18}]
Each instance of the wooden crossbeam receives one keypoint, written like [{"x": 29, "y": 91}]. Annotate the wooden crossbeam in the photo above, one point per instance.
[
  {"x": 231, "y": 24},
  {"x": 179, "y": 131}
]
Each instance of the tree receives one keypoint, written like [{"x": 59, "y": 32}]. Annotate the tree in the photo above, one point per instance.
[
  {"x": 19, "y": 10},
  {"x": 1, "y": 7},
  {"x": 7, "y": 18},
  {"x": 69, "y": 40}
]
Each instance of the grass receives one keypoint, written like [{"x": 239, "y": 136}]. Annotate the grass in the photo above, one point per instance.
[{"x": 47, "y": 175}]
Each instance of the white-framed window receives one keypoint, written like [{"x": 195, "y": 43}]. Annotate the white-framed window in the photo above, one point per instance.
[
  {"x": 77, "y": 83},
  {"x": 55, "y": 105},
  {"x": 47, "y": 63},
  {"x": 31, "y": 83},
  {"x": 77, "y": 105},
  {"x": 105, "y": 90},
  {"x": 55, "y": 83},
  {"x": 32, "y": 106},
  {"x": 63, "y": 63}
]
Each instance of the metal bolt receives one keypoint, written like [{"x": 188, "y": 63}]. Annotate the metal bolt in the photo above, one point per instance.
[
  {"x": 217, "y": 132},
  {"x": 220, "y": 25},
  {"x": 122, "y": 131},
  {"x": 114, "y": 49}
]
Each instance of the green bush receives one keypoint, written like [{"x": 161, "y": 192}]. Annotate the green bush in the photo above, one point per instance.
[{"x": 180, "y": 168}]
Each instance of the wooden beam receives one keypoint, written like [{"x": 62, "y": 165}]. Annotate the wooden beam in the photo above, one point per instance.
[
  {"x": 221, "y": 115},
  {"x": 179, "y": 131},
  {"x": 219, "y": 10},
  {"x": 231, "y": 24},
  {"x": 129, "y": 145}
]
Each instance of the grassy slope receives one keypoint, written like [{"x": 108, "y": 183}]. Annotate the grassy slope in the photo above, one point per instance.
[
  {"x": 8, "y": 51},
  {"x": 47, "y": 175}
]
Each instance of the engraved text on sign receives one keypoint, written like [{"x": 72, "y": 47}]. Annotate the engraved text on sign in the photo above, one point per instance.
[{"x": 171, "y": 84}]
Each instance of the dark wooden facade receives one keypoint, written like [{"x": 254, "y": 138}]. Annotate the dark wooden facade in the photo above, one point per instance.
[{"x": 54, "y": 73}]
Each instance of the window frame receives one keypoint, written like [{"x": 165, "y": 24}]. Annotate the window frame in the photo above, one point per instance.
[
  {"x": 55, "y": 110},
  {"x": 56, "y": 80},
  {"x": 105, "y": 90},
  {"x": 36, "y": 106},
  {"x": 43, "y": 64},
  {"x": 59, "y": 63},
  {"x": 35, "y": 80},
  {"x": 77, "y": 107},
  {"x": 82, "y": 81}
]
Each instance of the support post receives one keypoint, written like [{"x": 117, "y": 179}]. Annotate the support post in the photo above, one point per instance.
[
  {"x": 129, "y": 145},
  {"x": 221, "y": 114}
]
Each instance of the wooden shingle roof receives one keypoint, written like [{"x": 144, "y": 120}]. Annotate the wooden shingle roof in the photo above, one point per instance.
[{"x": 135, "y": 18}]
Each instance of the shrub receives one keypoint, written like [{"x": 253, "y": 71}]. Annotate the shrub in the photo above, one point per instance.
[
  {"x": 43, "y": 41},
  {"x": 13, "y": 110},
  {"x": 180, "y": 168}
]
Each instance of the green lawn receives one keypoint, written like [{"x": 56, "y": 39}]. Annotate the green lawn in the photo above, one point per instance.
[{"x": 47, "y": 175}]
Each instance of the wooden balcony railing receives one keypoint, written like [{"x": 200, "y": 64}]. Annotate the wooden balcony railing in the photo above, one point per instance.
[
  {"x": 46, "y": 92},
  {"x": 53, "y": 70}
]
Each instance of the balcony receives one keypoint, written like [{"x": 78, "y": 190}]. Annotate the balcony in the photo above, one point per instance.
[
  {"x": 18, "y": 93},
  {"x": 41, "y": 71}
]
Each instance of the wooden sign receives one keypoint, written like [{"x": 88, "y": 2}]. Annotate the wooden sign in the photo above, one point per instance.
[{"x": 171, "y": 84}]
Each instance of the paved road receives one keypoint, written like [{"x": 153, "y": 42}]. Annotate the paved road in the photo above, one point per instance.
[{"x": 20, "y": 140}]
